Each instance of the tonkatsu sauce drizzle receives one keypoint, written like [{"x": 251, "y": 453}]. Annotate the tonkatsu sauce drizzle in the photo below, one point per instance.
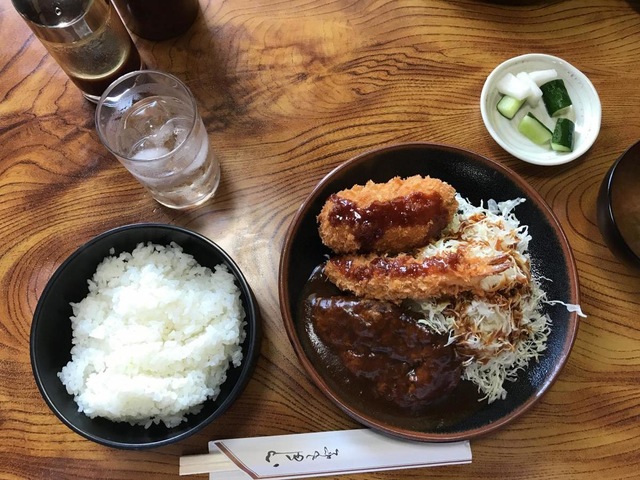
[{"x": 371, "y": 222}]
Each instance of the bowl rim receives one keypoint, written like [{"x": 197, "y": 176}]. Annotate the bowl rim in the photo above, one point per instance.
[
  {"x": 532, "y": 158},
  {"x": 285, "y": 305},
  {"x": 253, "y": 336},
  {"x": 607, "y": 221}
]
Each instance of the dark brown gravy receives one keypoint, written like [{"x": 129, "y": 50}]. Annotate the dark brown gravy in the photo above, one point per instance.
[
  {"x": 443, "y": 407},
  {"x": 381, "y": 342}
]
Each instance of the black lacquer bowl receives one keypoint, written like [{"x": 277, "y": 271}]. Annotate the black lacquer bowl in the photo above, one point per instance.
[
  {"x": 619, "y": 206},
  {"x": 51, "y": 335},
  {"x": 477, "y": 179}
]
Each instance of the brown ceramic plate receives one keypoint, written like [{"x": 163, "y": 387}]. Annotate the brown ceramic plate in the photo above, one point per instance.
[{"x": 477, "y": 179}]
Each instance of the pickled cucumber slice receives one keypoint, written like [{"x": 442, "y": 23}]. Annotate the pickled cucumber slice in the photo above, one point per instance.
[
  {"x": 509, "y": 106},
  {"x": 556, "y": 97},
  {"x": 534, "y": 129},
  {"x": 562, "y": 138}
]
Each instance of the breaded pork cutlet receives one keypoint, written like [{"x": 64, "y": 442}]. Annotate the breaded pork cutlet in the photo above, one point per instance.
[
  {"x": 396, "y": 216},
  {"x": 466, "y": 268}
]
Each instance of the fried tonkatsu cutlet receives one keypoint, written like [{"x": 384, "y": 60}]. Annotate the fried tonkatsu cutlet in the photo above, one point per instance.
[
  {"x": 466, "y": 268},
  {"x": 396, "y": 216}
]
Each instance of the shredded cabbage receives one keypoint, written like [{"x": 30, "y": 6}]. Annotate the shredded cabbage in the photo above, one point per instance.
[{"x": 500, "y": 332}]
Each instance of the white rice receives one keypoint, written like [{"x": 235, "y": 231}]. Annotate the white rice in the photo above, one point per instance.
[{"x": 154, "y": 337}]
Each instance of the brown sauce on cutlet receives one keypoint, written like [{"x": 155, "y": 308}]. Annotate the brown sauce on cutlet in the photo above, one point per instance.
[
  {"x": 381, "y": 342},
  {"x": 368, "y": 224},
  {"x": 400, "y": 266}
]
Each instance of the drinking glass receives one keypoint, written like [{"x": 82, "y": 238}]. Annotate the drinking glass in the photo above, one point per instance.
[
  {"x": 149, "y": 120},
  {"x": 85, "y": 37}
]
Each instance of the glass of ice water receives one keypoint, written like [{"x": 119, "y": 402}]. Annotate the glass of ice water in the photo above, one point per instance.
[{"x": 149, "y": 120}]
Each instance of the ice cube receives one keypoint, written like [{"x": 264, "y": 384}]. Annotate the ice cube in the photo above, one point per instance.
[
  {"x": 151, "y": 153},
  {"x": 147, "y": 116}
]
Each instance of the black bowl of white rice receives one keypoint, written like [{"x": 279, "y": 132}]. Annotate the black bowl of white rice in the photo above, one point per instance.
[{"x": 144, "y": 335}]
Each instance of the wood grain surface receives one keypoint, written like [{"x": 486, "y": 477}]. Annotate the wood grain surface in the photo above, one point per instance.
[{"x": 288, "y": 90}]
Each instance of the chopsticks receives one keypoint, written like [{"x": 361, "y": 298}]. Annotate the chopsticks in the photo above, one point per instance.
[
  {"x": 305, "y": 455},
  {"x": 215, "y": 462}
]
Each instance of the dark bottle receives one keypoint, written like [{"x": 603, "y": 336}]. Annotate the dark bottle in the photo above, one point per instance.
[
  {"x": 86, "y": 38},
  {"x": 158, "y": 19}
]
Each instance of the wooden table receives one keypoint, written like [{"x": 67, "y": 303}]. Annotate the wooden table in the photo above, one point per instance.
[{"x": 289, "y": 90}]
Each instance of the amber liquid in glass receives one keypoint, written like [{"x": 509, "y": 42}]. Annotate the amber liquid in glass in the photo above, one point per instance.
[
  {"x": 96, "y": 59},
  {"x": 158, "y": 19}
]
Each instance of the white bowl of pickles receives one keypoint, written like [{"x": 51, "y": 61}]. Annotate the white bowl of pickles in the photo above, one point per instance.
[{"x": 541, "y": 109}]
